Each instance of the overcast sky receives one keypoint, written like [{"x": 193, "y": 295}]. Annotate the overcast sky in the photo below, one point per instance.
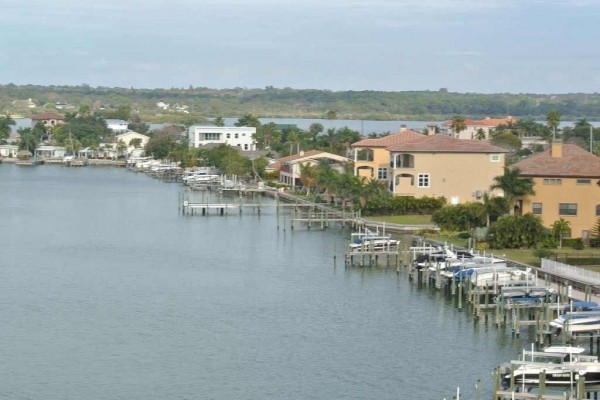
[{"x": 485, "y": 46}]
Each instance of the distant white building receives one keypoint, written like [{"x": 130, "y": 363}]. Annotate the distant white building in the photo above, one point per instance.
[
  {"x": 235, "y": 136},
  {"x": 50, "y": 152},
  {"x": 127, "y": 137},
  {"x": 117, "y": 125},
  {"x": 8, "y": 150}
]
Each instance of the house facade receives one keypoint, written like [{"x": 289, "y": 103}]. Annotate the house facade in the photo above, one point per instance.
[
  {"x": 372, "y": 157},
  {"x": 127, "y": 138},
  {"x": 48, "y": 119},
  {"x": 567, "y": 185},
  {"x": 50, "y": 152},
  {"x": 443, "y": 166},
  {"x": 290, "y": 167},
  {"x": 235, "y": 136},
  {"x": 473, "y": 127},
  {"x": 8, "y": 150}
]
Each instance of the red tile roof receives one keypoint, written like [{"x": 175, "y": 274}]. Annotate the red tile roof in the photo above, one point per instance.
[
  {"x": 447, "y": 144},
  {"x": 575, "y": 162},
  {"x": 47, "y": 116},
  {"x": 405, "y": 136}
]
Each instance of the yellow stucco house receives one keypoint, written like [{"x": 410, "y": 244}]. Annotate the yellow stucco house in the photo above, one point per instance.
[
  {"x": 415, "y": 164},
  {"x": 567, "y": 185}
]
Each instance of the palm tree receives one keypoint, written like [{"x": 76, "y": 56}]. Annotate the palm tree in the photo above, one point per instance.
[
  {"x": 480, "y": 135},
  {"x": 458, "y": 124},
  {"x": 308, "y": 176},
  {"x": 5, "y": 124},
  {"x": 491, "y": 207},
  {"x": 513, "y": 185},
  {"x": 553, "y": 119},
  {"x": 559, "y": 228}
]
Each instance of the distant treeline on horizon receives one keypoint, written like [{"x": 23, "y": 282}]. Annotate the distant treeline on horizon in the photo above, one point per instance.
[{"x": 298, "y": 103}]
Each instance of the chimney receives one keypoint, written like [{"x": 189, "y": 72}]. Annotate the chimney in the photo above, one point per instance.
[
  {"x": 403, "y": 128},
  {"x": 431, "y": 129},
  {"x": 556, "y": 149}
]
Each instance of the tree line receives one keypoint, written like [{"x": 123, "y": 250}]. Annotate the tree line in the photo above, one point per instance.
[{"x": 309, "y": 103}]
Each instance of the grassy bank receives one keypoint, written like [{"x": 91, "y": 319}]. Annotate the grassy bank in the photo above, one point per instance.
[{"x": 404, "y": 219}]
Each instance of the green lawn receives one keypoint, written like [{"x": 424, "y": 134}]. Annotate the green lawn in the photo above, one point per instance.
[{"x": 404, "y": 219}]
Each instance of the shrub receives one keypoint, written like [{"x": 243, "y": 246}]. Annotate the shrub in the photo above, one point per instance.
[
  {"x": 544, "y": 253},
  {"x": 463, "y": 235}
]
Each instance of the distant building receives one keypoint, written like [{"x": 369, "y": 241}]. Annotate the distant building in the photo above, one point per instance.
[
  {"x": 8, "y": 150},
  {"x": 235, "y": 136},
  {"x": 567, "y": 185},
  {"x": 132, "y": 150},
  {"x": 289, "y": 167},
  {"x": 50, "y": 152},
  {"x": 486, "y": 126},
  {"x": 117, "y": 125},
  {"x": 48, "y": 119}
]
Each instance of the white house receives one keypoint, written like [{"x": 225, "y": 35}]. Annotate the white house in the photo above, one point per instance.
[
  {"x": 236, "y": 136},
  {"x": 128, "y": 137},
  {"x": 289, "y": 167},
  {"x": 473, "y": 128},
  {"x": 50, "y": 152},
  {"x": 8, "y": 150},
  {"x": 117, "y": 125}
]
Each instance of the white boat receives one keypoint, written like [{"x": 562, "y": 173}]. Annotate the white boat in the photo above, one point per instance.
[
  {"x": 558, "y": 365},
  {"x": 578, "y": 321}
]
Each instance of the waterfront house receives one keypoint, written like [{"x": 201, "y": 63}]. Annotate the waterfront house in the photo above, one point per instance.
[
  {"x": 290, "y": 167},
  {"x": 567, "y": 185},
  {"x": 117, "y": 125},
  {"x": 50, "y": 152},
  {"x": 372, "y": 158},
  {"x": 460, "y": 170},
  {"x": 473, "y": 127},
  {"x": 235, "y": 136},
  {"x": 131, "y": 136},
  {"x": 48, "y": 119},
  {"x": 8, "y": 150}
]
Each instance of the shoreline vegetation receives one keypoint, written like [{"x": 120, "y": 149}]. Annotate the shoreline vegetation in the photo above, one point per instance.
[{"x": 194, "y": 104}]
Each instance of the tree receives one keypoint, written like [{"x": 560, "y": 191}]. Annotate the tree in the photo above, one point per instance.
[
  {"x": 314, "y": 130},
  {"x": 458, "y": 124},
  {"x": 121, "y": 147},
  {"x": 219, "y": 121},
  {"x": 517, "y": 231},
  {"x": 480, "y": 135},
  {"x": 5, "y": 123},
  {"x": 248, "y": 120},
  {"x": 136, "y": 142},
  {"x": 29, "y": 139},
  {"x": 596, "y": 230},
  {"x": 491, "y": 208},
  {"x": 513, "y": 185},
  {"x": 308, "y": 176},
  {"x": 553, "y": 120},
  {"x": 559, "y": 229}
]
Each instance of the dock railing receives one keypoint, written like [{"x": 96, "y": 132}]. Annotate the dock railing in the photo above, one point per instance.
[{"x": 568, "y": 271}]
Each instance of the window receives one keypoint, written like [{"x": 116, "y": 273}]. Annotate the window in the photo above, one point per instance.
[
  {"x": 552, "y": 181},
  {"x": 537, "y": 208},
  {"x": 382, "y": 173},
  {"x": 598, "y": 210},
  {"x": 245, "y": 147},
  {"x": 495, "y": 158},
  {"x": 423, "y": 180},
  {"x": 229, "y": 136},
  {"x": 237, "y": 135},
  {"x": 212, "y": 136},
  {"x": 567, "y": 209},
  {"x": 584, "y": 181}
]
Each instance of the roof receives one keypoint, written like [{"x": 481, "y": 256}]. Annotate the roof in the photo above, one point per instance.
[
  {"x": 115, "y": 121},
  {"x": 575, "y": 162},
  {"x": 308, "y": 155},
  {"x": 447, "y": 144},
  {"x": 47, "y": 116},
  {"x": 130, "y": 133},
  {"x": 390, "y": 140}
]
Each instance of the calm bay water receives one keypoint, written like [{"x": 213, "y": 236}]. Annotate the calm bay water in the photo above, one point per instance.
[{"x": 107, "y": 292}]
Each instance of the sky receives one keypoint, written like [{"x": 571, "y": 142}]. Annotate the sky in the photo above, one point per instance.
[{"x": 467, "y": 46}]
